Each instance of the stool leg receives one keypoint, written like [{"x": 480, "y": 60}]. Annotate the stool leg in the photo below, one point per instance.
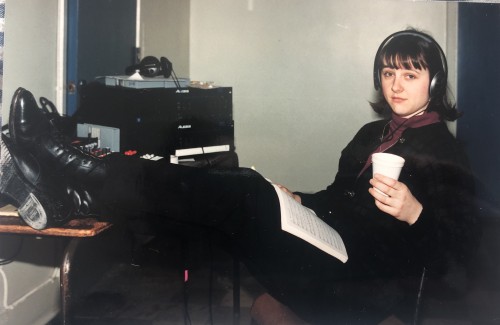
[{"x": 65, "y": 287}]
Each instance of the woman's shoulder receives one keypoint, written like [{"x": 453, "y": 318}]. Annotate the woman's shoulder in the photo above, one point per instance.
[
  {"x": 435, "y": 139},
  {"x": 437, "y": 133},
  {"x": 374, "y": 126}
]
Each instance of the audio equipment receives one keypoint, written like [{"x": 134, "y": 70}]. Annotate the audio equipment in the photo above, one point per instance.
[
  {"x": 160, "y": 120},
  {"x": 438, "y": 81},
  {"x": 150, "y": 66}
]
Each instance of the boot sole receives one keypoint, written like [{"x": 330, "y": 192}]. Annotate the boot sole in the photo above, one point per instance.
[{"x": 31, "y": 205}]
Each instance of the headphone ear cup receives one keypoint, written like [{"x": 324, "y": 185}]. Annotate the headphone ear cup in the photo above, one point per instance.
[
  {"x": 437, "y": 85},
  {"x": 150, "y": 66},
  {"x": 166, "y": 67}
]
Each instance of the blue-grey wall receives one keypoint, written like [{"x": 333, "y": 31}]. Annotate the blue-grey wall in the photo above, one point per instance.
[{"x": 479, "y": 95}]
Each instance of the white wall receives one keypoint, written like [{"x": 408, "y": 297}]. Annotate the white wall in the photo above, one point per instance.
[
  {"x": 301, "y": 73},
  {"x": 165, "y": 32},
  {"x": 29, "y": 286},
  {"x": 30, "y": 49}
]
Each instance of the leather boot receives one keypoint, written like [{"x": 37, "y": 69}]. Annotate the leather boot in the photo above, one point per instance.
[
  {"x": 50, "y": 111},
  {"x": 65, "y": 125},
  {"x": 81, "y": 174},
  {"x": 22, "y": 184}
]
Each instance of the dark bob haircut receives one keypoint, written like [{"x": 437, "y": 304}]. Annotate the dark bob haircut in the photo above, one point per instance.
[{"x": 412, "y": 49}]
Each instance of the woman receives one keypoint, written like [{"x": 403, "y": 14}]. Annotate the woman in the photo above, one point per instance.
[{"x": 426, "y": 219}]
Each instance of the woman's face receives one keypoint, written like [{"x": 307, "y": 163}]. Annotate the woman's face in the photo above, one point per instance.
[{"x": 406, "y": 90}]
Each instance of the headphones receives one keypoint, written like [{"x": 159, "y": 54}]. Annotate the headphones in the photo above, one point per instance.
[
  {"x": 150, "y": 66},
  {"x": 438, "y": 82}
]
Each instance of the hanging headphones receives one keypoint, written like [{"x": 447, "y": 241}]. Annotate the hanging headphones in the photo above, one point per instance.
[
  {"x": 438, "y": 82},
  {"x": 150, "y": 66}
]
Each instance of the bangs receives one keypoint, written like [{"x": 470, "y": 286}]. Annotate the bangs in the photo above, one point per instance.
[
  {"x": 406, "y": 52},
  {"x": 403, "y": 61}
]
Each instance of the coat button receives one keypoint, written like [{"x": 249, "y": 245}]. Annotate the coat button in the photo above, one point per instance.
[{"x": 349, "y": 194}]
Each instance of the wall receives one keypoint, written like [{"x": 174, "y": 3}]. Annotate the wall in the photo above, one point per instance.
[
  {"x": 479, "y": 82},
  {"x": 29, "y": 285},
  {"x": 165, "y": 32},
  {"x": 30, "y": 49},
  {"x": 301, "y": 73}
]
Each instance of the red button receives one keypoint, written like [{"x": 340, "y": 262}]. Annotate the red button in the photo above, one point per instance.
[{"x": 130, "y": 152}]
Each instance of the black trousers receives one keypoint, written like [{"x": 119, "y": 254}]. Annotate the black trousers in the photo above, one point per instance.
[{"x": 240, "y": 203}]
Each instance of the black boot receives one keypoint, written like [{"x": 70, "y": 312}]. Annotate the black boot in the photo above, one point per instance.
[
  {"x": 65, "y": 125},
  {"x": 22, "y": 183},
  {"x": 31, "y": 128},
  {"x": 50, "y": 111}
]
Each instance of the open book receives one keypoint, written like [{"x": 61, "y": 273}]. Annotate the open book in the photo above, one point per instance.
[{"x": 303, "y": 222}]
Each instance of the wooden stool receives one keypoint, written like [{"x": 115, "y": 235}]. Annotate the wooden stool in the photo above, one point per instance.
[{"x": 10, "y": 223}]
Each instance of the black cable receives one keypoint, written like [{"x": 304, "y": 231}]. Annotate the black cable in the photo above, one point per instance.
[
  {"x": 210, "y": 280},
  {"x": 390, "y": 135},
  {"x": 185, "y": 286},
  {"x": 187, "y": 319},
  {"x": 175, "y": 79},
  {"x": 204, "y": 155},
  {"x": 418, "y": 303}
]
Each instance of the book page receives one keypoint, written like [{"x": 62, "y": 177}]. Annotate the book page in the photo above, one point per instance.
[{"x": 304, "y": 223}]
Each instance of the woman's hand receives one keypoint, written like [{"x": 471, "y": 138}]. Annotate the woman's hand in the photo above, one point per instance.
[
  {"x": 287, "y": 191},
  {"x": 395, "y": 198}
]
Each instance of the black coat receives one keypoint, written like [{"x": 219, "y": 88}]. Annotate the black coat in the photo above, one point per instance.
[{"x": 437, "y": 173}]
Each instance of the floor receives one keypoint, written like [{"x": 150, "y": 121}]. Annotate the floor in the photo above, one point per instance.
[{"x": 150, "y": 289}]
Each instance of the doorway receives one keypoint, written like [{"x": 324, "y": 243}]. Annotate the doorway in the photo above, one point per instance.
[{"x": 101, "y": 42}]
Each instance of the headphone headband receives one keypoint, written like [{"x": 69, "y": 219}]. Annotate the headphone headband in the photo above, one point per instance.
[{"x": 438, "y": 80}]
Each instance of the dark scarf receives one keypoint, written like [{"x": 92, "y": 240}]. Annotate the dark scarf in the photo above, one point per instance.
[{"x": 397, "y": 125}]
